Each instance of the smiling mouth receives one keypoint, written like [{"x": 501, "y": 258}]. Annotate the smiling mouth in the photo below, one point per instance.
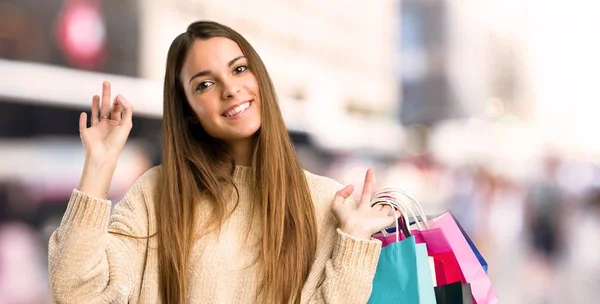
[{"x": 238, "y": 109}]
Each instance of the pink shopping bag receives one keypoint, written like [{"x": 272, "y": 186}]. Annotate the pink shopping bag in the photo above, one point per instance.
[
  {"x": 443, "y": 236},
  {"x": 447, "y": 269}
]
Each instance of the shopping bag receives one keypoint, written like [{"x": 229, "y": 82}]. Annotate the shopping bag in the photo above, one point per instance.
[
  {"x": 444, "y": 240},
  {"x": 446, "y": 266},
  {"x": 455, "y": 293},
  {"x": 445, "y": 237},
  {"x": 403, "y": 275},
  {"x": 403, "y": 272},
  {"x": 481, "y": 259}
]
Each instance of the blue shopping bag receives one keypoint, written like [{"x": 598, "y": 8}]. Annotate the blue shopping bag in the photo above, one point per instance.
[{"x": 403, "y": 275}]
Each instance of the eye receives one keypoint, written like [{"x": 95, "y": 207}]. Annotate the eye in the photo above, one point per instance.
[
  {"x": 240, "y": 69},
  {"x": 204, "y": 85}
]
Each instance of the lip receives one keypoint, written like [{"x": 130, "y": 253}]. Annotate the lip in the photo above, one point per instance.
[{"x": 235, "y": 105}]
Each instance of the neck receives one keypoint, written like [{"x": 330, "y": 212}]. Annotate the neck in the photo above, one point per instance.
[{"x": 241, "y": 151}]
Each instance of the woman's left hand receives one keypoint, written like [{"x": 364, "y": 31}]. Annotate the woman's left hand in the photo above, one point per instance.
[{"x": 362, "y": 220}]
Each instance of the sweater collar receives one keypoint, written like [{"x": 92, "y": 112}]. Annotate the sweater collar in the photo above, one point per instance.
[{"x": 242, "y": 175}]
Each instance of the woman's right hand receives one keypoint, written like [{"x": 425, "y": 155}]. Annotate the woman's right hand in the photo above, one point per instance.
[
  {"x": 105, "y": 138},
  {"x": 103, "y": 141}
]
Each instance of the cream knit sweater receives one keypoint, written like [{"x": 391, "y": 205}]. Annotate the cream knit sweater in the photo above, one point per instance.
[{"x": 89, "y": 265}]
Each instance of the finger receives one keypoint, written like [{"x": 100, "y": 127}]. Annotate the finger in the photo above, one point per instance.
[
  {"x": 95, "y": 109},
  {"x": 127, "y": 116},
  {"x": 105, "y": 106},
  {"x": 387, "y": 210},
  {"x": 343, "y": 194},
  {"x": 365, "y": 199},
  {"x": 82, "y": 121},
  {"x": 116, "y": 110}
]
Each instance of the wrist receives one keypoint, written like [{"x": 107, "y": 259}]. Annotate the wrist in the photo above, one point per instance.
[
  {"x": 96, "y": 176},
  {"x": 355, "y": 232},
  {"x": 97, "y": 163}
]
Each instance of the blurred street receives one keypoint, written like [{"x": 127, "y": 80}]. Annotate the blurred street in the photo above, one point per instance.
[{"x": 485, "y": 108}]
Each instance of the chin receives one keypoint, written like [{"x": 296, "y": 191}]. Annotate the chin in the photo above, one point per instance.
[
  {"x": 247, "y": 133},
  {"x": 241, "y": 134}
]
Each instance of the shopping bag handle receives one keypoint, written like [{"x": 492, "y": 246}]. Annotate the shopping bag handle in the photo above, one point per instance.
[
  {"x": 395, "y": 206},
  {"x": 397, "y": 194},
  {"x": 399, "y": 204}
]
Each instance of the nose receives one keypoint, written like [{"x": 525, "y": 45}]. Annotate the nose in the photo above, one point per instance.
[{"x": 230, "y": 89}]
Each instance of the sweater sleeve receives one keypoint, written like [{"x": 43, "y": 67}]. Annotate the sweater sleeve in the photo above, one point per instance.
[
  {"x": 89, "y": 264},
  {"x": 344, "y": 266},
  {"x": 348, "y": 275}
]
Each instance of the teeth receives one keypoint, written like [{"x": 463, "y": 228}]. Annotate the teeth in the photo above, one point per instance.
[{"x": 238, "y": 109}]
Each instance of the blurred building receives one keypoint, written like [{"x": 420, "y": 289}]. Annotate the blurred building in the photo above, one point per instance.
[{"x": 332, "y": 62}]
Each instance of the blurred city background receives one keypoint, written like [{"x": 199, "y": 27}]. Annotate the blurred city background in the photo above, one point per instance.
[{"x": 487, "y": 108}]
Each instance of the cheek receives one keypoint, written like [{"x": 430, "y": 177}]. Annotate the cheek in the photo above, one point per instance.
[
  {"x": 259, "y": 107},
  {"x": 250, "y": 84},
  {"x": 204, "y": 109},
  {"x": 200, "y": 111},
  {"x": 255, "y": 88}
]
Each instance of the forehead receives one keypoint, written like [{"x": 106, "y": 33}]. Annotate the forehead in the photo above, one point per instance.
[{"x": 211, "y": 54}]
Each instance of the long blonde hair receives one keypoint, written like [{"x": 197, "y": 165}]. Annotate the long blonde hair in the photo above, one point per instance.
[{"x": 194, "y": 163}]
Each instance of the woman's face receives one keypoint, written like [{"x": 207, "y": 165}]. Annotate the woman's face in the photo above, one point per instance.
[{"x": 221, "y": 89}]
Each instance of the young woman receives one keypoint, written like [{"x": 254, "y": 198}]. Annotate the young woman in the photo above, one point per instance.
[{"x": 230, "y": 216}]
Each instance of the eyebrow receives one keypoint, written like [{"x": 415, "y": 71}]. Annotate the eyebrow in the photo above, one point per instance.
[{"x": 208, "y": 72}]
